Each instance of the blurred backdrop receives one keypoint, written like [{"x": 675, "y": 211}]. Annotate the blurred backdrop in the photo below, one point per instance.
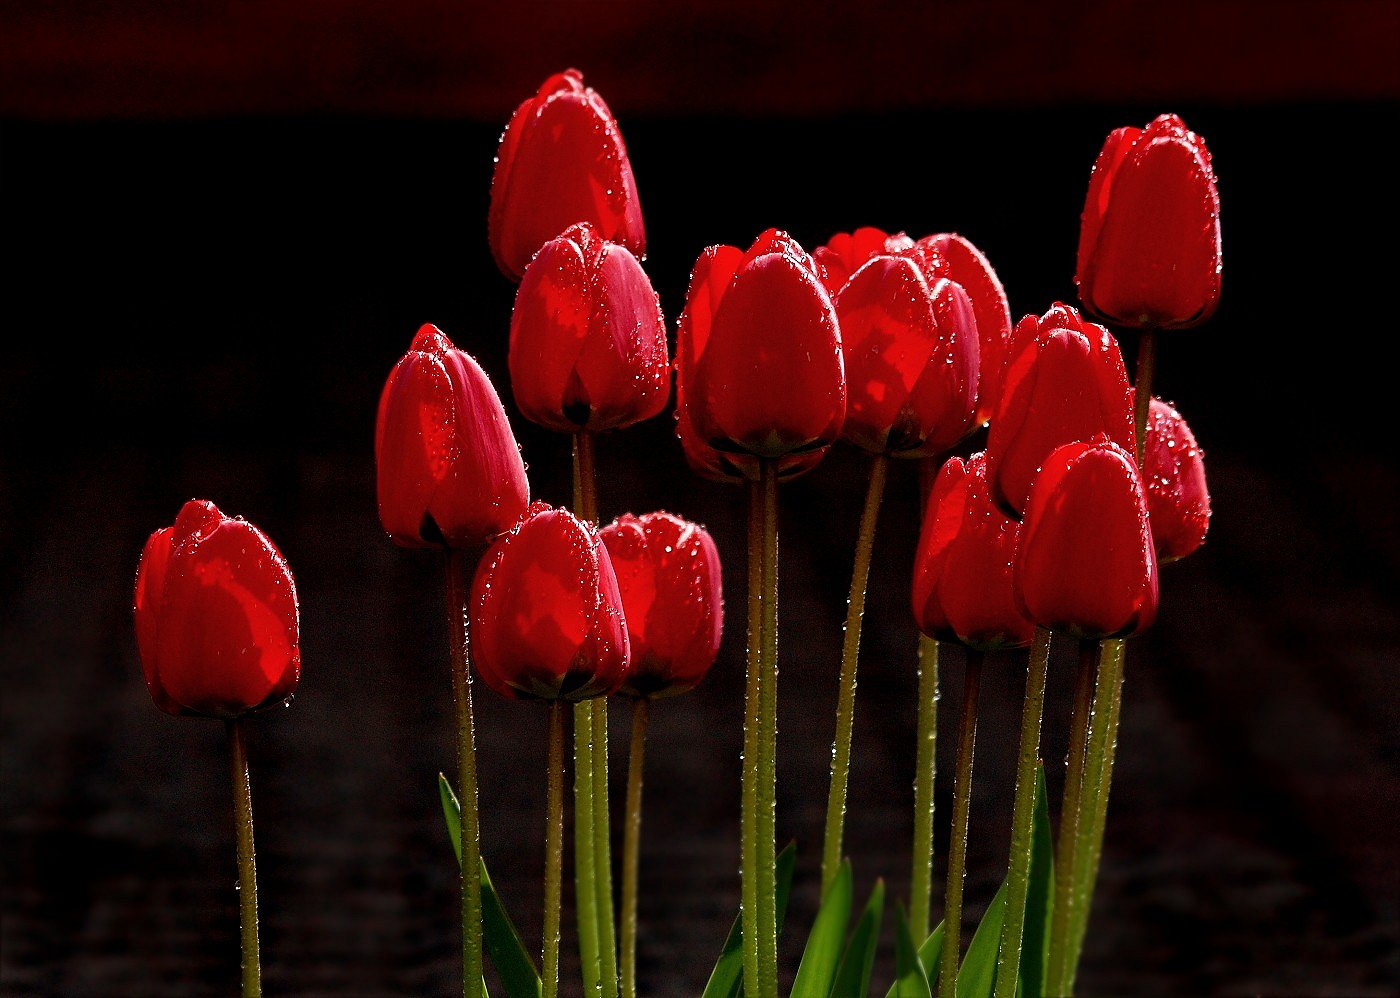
[{"x": 223, "y": 226}]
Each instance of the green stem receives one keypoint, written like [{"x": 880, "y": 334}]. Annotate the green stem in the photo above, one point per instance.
[
  {"x": 585, "y": 874},
  {"x": 846, "y": 695},
  {"x": 1142, "y": 387},
  {"x": 1071, "y": 817},
  {"x": 768, "y": 741},
  {"x": 602, "y": 851},
  {"x": 247, "y": 862},
  {"x": 750, "y": 857},
  {"x": 553, "y": 848},
  {"x": 460, "y": 639},
  {"x": 631, "y": 848},
  {"x": 957, "y": 845},
  {"x": 1022, "y": 817},
  {"x": 925, "y": 769}
]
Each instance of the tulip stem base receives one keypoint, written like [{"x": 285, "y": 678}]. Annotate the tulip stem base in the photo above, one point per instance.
[
  {"x": 957, "y": 843},
  {"x": 553, "y": 848},
  {"x": 925, "y": 771},
  {"x": 631, "y": 847},
  {"x": 749, "y": 855},
  {"x": 460, "y": 638},
  {"x": 247, "y": 861}
]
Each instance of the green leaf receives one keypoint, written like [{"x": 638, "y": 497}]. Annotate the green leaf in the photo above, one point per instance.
[
  {"x": 979, "y": 967},
  {"x": 822, "y": 954},
  {"x": 452, "y": 811},
  {"x": 932, "y": 948},
  {"x": 853, "y": 976},
  {"x": 1035, "y": 947},
  {"x": 910, "y": 979},
  {"x": 728, "y": 974}
]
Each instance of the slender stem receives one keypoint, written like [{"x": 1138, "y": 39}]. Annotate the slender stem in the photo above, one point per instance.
[
  {"x": 247, "y": 862},
  {"x": 1142, "y": 386},
  {"x": 602, "y": 851},
  {"x": 553, "y": 847},
  {"x": 585, "y": 479},
  {"x": 925, "y": 769},
  {"x": 768, "y": 741},
  {"x": 460, "y": 639},
  {"x": 750, "y": 857},
  {"x": 1022, "y": 816},
  {"x": 850, "y": 655},
  {"x": 585, "y": 875},
  {"x": 1071, "y": 817},
  {"x": 631, "y": 848},
  {"x": 957, "y": 845}
]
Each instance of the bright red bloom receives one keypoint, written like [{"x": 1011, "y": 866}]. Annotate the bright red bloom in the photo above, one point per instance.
[
  {"x": 587, "y": 340},
  {"x": 762, "y": 370},
  {"x": 1176, "y": 484},
  {"x": 449, "y": 469},
  {"x": 911, "y": 355},
  {"x": 1149, "y": 242},
  {"x": 846, "y": 252},
  {"x": 1085, "y": 564},
  {"x": 669, "y": 574},
  {"x": 1066, "y": 382},
  {"x": 963, "y": 570},
  {"x": 216, "y": 616},
  {"x": 561, "y": 161},
  {"x": 546, "y": 613}
]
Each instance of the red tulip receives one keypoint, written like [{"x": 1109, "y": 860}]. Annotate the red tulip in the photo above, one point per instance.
[
  {"x": 449, "y": 468},
  {"x": 587, "y": 340},
  {"x": 1149, "y": 243},
  {"x": 1085, "y": 563},
  {"x": 669, "y": 575},
  {"x": 546, "y": 614},
  {"x": 216, "y": 616},
  {"x": 846, "y": 252},
  {"x": 1066, "y": 382},
  {"x": 762, "y": 370},
  {"x": 963, "y": 570},
  {"x": 1176, "y": 484},
  {"x": 561, "y": 161},
  {"x": 911, "y": 357}
]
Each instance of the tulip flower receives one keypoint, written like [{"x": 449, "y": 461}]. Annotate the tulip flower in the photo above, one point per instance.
[
  {"x": 1065, "y": 383},
  {"x": 846, "y": 252},
  {"x": 1149, "y": 243},
  {"x": 561, "y": 161},
  {"x": 1175, "y": 475},
  {"x": 587, "y": 340},
  {"x": 1085, "y": 563},
  {"x": 449, "y": 469}
]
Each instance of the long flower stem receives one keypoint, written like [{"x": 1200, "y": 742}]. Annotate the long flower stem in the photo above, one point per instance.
[
  {"x": 602, "y": 851},
  {"x": 1142, "y": 386},
  {"x": 925, "y": 758},
  {"x": 247, "y": 863},
  {"x": 768, "y": 741},
  {"x": 750, "y": 857},
  {"x": 1022, "y": 816},
  {"x": 460, "y": 638},
  {"x": 585, "y": 874},
  {"x": 1071, "y": 817},
  {"x": 957, "y": 846},
  {"x": 553, "y": 848},
  {"x": 850, "y": 656},
  {"x": 631, "y": 847}
]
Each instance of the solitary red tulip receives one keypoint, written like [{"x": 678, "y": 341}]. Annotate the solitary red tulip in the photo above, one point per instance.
[
  {"x": 669, "y": 575},
  {"x": 846, "y": 252},
  {"x": 587, "y": 341},
  {"x": 1176, "y": 484},
  {"x": 1085, "y": 563},
  {"x": 546, "y": 614},
  {"x": 216, "y": 616},
  {"x": 449, "y": 469},
  {"x": 1065, "y": 383},
  {"x": 561, "y": 161},
  {"x": 1149, "y": 243}
]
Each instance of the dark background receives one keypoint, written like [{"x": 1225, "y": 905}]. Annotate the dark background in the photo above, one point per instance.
[{"x": 222, "y": 228}]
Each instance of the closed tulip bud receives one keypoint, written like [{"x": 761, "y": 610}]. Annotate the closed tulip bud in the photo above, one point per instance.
[
  {"x": 587, "y": 341},
  {"x": 546, "y": 614},
  {"x": 216, "y": 616},
  {"x": 561, "y": 161},
  {"x": 963, "y": 570},
  {"x": 449, "y": 469},
  {"x": 846, "y": 252},
  {"x": 1065, "y": 383},
  {"x": 1149, "y": 242},
  {"x": 1177, "y": 498},
  {"x": 765, "y": 378},
  {"x": 669, "y": 575},
  {"x": 911, "y": 356},
  {"x": 1085, "y": 564}
]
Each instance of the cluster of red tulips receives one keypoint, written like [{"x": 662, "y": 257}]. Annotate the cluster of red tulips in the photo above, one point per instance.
[{"x": 903, "y": 347}]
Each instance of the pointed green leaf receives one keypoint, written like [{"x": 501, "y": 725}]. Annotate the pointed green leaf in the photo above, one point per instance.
[
  {"x": 452, "y": 811},
  {"x": 910, "y": 979},
  {"x": 822, "y": 954},
  {"x": 978, "y": 972},
  {"x": 853, "y": 976},
  {"x": 728, "y": 974},
  {"x": 1035, "y": 949},
  {"x": 932, "y": 948}
]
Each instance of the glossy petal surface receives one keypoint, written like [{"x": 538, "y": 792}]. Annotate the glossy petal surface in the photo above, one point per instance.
[{"x": 1177, "y": 497}]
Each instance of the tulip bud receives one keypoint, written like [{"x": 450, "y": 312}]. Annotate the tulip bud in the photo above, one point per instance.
[
  {"x": 846, "y": 252},
  {"x": 911, "y": 356},
  {"x": 1085, "y": 563},
  {"x": 963, "y": 570},
  {"x": 764, "y": 379},
  {"x": 669, "y": 574},
  {"x": 546, "y": 615},
  {"x": 449, "y": 469},
  {"x": 216, "y": 616},
  {"x": 1149, "y": 242},
  {"x": 1177, "y": 497},
  {"x": 1065, "y": 383}
]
